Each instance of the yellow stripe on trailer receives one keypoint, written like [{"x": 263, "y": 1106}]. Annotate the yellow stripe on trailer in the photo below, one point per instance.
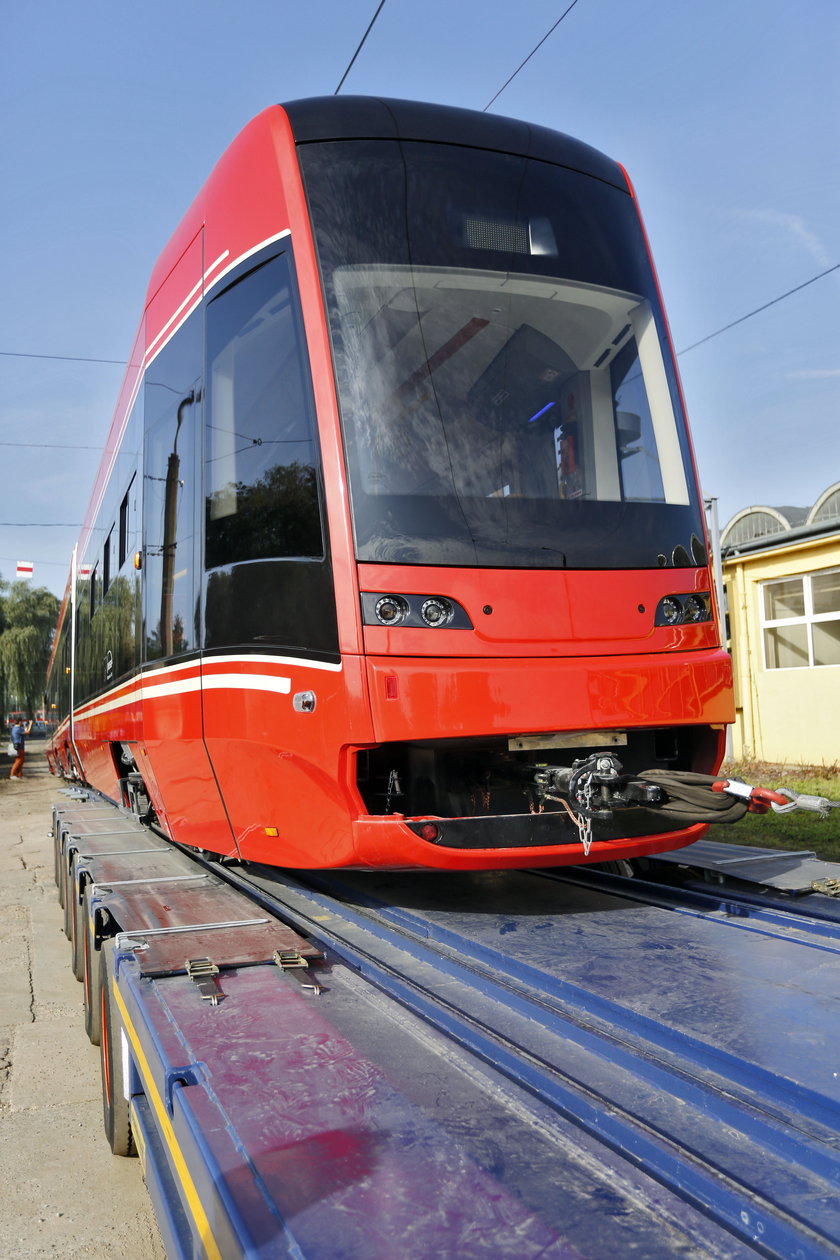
[{"x": 193, "y": 1199}]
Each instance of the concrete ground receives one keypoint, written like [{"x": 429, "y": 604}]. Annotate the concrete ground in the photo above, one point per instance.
[{"x": 65, "y": 1196}]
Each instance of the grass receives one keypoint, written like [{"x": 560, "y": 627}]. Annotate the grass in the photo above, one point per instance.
[{"x": 800, "y": 829}]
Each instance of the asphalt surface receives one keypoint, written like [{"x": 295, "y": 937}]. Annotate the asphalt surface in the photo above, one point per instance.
[{"x": 65, "y": 1196}]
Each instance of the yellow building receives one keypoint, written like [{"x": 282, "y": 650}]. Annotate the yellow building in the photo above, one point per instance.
[{"x": 781, "y": 571}]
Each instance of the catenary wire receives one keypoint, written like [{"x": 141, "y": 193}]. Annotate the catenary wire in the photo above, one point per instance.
[
  {"x": 51, "y": 446},
  {"x": 56, "y": 564},
  {"x": 64, "y": 358},
  {"x": 359, "y": 49},
  {"x": 535, "y": 49},
  {"x": 766, "y": 305}
]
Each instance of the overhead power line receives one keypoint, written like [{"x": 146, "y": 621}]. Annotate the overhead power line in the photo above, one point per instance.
[
  {"x": 359, "y": 49},
  {"x": 62, "y": 358},
  {"x": 56, "y": 564},
  {"x": 758, "y": 309},
  {"x": 51, "y": 446},
  {"x": 535, "y": 49}
]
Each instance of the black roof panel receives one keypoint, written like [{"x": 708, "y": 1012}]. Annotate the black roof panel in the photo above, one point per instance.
[{"x": 378, "y": 118}]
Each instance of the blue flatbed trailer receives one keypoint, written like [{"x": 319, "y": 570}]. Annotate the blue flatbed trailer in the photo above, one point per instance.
[{"x": 515, "y": 1064}]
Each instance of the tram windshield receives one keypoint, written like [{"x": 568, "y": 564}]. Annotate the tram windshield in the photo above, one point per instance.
[{"x": 506, "y": 390}]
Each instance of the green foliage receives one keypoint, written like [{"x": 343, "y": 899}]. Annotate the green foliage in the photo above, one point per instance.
[
  {"x": 27, "y": 624},
  {"x": 31, "y": 606},
  {"x": 20, "y": 656},
  {"x": 798, "y": 830}
]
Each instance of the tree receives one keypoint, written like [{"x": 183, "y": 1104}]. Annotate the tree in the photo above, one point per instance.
[{"x": 27, "y": 624}]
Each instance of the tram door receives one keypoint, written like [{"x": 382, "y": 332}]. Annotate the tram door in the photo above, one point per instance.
[
  {"x": 172, "y": 702},
  {"x": 269, "y": 608}
]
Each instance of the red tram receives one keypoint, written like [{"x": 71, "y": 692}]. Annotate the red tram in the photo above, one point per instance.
[{"x": 397, "y": 526}]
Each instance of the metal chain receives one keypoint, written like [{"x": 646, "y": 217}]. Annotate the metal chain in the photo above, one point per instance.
[
  {"x": 583, "y": 824},
  {"x": 584, "y": 820},
  {"x": 394, "y": 789}
]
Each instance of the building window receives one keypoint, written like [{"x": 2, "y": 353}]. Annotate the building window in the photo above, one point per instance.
[{"x": 801, "y": 621}]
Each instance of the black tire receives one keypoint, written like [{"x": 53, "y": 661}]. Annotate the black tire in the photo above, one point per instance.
[
  {"x": 90, "y": 974},
  {"x": 115, "y": 1110},
  {"x": 621, "y": 867}
]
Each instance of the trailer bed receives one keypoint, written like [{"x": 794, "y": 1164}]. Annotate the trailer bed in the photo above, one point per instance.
[{"x": 517, "y": 1064}]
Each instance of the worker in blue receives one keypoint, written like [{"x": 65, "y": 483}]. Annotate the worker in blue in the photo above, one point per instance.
[{"x": 20, "y": 730}]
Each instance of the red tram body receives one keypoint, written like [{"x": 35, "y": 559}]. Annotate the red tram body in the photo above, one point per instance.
[{"x": 397, "y": 507}]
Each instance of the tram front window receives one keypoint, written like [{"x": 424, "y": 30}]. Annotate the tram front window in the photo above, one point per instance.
[{"x": 505, "y": 393}]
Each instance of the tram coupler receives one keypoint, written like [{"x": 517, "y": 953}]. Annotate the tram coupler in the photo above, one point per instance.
[{"x": 596, "y": 786}]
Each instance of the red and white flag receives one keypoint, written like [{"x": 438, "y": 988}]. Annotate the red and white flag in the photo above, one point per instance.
[{"x": 24, "y": 568}]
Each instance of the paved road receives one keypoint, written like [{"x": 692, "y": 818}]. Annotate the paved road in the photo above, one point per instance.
[{"x": 64, "y": 1195}]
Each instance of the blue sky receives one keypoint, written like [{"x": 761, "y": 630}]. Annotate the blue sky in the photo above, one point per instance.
[{"x": 726, "y": 114}]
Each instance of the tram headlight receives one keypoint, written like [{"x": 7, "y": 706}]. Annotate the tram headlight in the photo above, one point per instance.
[
  {"x": 694, "y": 608},
  {"x": 670, "y": 611},
  {"x": 414, "y": 611},
  {"x": 436, "y": 612},
  {"x": 391, "y": 610},
  {"x": 688, "y": 609}
]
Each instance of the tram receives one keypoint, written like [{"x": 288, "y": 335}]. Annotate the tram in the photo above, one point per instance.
[{"x": 396, "y": 555}]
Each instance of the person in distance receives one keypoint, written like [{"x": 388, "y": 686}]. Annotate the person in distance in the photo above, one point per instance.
[{"x": 20, "y": 730}]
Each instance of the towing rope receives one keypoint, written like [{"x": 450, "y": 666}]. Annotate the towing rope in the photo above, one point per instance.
[
  {"x": 596, "y": 785},
  {"x": 693, "y": 798},
  {"x": 696, "y": 798}
]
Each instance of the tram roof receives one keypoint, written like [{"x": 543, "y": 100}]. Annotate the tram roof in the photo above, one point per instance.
[{"x": 322, "y": 118}]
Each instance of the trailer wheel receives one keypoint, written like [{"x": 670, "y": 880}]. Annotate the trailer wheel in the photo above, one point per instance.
[
  {"x": 91, "y": 977},
  {"x": 115, "y": 1112}
]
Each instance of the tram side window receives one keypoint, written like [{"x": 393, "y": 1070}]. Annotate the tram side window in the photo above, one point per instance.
[
  {"x": 86, "y": 604},
  {"x": 641, "y": 473},
  {"x": 60, "y": 697},
  {"x": 120, "y": 608},
  {"x": 127, "y": 526},
  {"x": 169, "y": 496},
  {"x": 108, "y": 568},
  {"x": 261, "y": 479}
]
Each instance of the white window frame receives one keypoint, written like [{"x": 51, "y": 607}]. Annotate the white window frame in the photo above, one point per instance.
[{"x": 808, "y": 619}]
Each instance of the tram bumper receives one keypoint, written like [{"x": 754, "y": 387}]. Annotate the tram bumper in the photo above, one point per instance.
[
  {"x": 474, "y": 718},
  {"x": 428, "y": 698}
]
